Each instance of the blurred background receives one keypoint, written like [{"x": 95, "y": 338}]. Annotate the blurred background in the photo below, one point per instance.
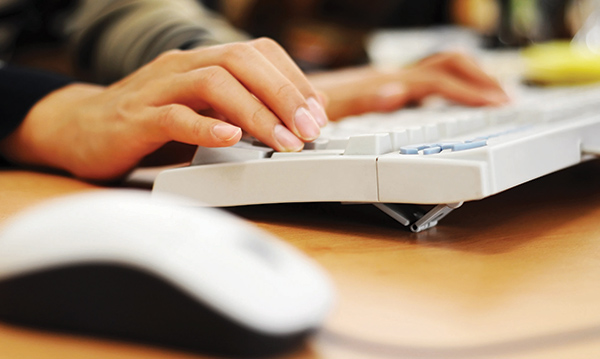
[
  {"x": 329, "y": 34},
  {"x": 325, "y": 34}
]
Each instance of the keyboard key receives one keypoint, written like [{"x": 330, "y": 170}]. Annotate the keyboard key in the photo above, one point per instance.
[
  {"x": 240, "y": 152},
  {"x": 449, "y": 128},
  {"x": 375, "y": 144},
  {"x": 399, "y": 139},
  {"x": 432, "y": 150},
  {"x": 337, "y": 143},
  {"x": 446, "y": 145},
  {"x": 468, "y": 145},
  {"x": 318, "y": 144},
  {"x": 416, "y": 135},
  {"x": 413, "y": 149},
  {"x": 431, "y": 132}
]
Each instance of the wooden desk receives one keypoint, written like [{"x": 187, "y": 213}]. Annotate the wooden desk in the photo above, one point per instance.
[{"x": 514, "y": 276}]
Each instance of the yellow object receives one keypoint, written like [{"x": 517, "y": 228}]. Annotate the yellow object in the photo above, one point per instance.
[{"x": 561, "y": 63}]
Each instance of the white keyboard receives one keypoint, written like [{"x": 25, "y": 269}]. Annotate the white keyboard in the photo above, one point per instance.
[{"x": 439, "y": 155}]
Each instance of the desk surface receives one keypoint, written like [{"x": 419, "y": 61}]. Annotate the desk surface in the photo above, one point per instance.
[{"x": 512, "y": 276}]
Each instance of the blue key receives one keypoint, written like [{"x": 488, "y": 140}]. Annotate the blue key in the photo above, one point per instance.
[
  {"x": 408, "y": 151},
  {"x": 445, "y": 145},
  {"x": 468, "y": 145},
  {"x": 432, "y": 150},
  {"x": 413, "y": 149}
]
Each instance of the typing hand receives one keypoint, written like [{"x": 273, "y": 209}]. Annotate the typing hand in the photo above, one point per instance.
[
  {"x": 201, "y": 97},
  {"x": 450, "y": 75}
]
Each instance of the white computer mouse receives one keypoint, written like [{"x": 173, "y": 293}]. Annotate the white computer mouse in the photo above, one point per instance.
[{"x": 117, "y": 263}]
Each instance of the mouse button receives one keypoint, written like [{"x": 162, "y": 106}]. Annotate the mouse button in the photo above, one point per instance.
[
  {"x": 41, "y": 240},
  {"x": 25, "y": 246}
]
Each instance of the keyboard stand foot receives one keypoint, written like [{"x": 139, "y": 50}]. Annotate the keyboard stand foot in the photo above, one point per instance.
[{"x": 415, "y": 217}]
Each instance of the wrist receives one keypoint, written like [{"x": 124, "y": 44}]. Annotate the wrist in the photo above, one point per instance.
[{"x": 37, "y": 141}]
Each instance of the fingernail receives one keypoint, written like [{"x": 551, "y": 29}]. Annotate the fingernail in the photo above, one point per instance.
[
  {"x": 317, "y": 111},
  {"x": 306, "y": 124},
  {"x": 225, "y": 132},
  {"x": 287, "y": 139}
]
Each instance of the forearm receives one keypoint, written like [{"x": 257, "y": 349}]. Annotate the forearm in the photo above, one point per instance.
[{"x": 113, "y": 38}]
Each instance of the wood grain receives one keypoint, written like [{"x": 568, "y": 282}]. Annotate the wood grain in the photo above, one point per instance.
[{"x": 513, "y": 276}]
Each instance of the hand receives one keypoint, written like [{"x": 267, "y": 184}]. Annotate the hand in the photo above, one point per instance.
[
  {"x": 450, "y": 75},
  {"x": 200, "y": 97}
]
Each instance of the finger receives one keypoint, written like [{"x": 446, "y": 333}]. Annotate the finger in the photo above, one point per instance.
[
  {"x": 270, "y": 86},
  {"x": 453, "y": 89},
  {"x": 183, "y": 61},
  {"x": 323, "y": 99},
  {"x": 227, "y": 96},
  {"x": 372, "y": 97},
  {"x": 301, "y": 112},
  {"x": 466, "y": 68},
  {"x": 182, "y": 124},
  {"x": 284, "y": 63}
]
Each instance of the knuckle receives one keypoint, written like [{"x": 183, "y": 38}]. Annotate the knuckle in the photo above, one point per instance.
[
  {"x": 265, "y": 42},
  {"x": 237, "y": 52},
  {"x": 258, "y": 116},
  {"x": 168, "y": 116},
  {"x": 125, "y": 107},
  {"x": 171, "y": 117},
  {"x": 197, "y": 130},
  {"x": 212, "y": 77},
  {"x": 286, "y": 91},
  {"x": 168, "y": 56}
]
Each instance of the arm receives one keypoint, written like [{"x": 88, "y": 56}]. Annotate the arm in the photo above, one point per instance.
[{"x": 198, "y": 97}]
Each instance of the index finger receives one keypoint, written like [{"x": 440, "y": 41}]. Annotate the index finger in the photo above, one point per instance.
[
  {"x": 276, "y": 57},
  {"x": 284, "y": 63},
  {"x": 463, "y": 66}
]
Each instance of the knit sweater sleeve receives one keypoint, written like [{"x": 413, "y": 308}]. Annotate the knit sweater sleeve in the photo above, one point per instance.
[
  {"x": 112, "y": 38},
  {"x": 20, "y": 89}
]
